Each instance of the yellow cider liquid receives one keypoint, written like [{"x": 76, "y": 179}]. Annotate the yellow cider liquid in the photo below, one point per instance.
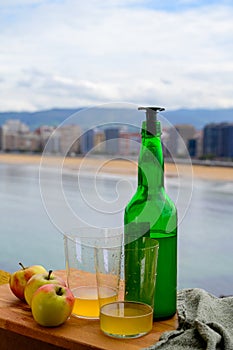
[
  {"x": 126, "y": 321},
  {"x": 87, "y": 303}
]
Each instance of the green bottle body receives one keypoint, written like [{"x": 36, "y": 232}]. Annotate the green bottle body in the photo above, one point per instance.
[{"x": 151, "y": 204}]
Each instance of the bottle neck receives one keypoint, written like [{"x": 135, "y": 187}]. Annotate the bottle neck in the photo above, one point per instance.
[{"x": 151, "y": 162}]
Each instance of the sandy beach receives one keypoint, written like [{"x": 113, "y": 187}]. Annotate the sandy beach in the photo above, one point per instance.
[{"x": 116, "y": 166}]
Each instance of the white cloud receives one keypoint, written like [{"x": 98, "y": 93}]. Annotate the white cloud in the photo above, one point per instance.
[{"x": 73, "y": 53}]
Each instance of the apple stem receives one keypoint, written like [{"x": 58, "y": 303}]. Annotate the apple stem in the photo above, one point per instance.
[
  {"x": 59, "y": 291},
  {"x": 22, "y": 265},
  {"x": 49, "y": 275}
]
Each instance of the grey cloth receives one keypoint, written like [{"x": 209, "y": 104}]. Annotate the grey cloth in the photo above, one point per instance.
[{"x": 205, "y": 322}]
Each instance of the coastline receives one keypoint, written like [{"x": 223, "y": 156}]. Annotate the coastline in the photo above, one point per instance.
[{"x": 118, "y": 166}]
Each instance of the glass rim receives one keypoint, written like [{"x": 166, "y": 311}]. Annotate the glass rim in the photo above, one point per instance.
[
  {"x": 78, "y": 230},
  {"x": 95, "y": 241}
]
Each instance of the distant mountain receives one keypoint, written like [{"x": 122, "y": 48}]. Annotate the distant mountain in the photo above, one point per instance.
[
  {"x": 99, "y": 115},
  {"x": 199, "y": 117},
  {"x": 35, "y": 119}
]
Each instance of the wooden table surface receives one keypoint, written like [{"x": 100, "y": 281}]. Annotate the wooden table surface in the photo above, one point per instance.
[{"x": 19, "y": 331}]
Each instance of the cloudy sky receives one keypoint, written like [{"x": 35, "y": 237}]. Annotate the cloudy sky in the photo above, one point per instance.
[{"x": 73, "y": 53}]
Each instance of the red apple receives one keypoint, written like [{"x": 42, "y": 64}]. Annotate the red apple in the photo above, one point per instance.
[
  {"x": 52, "y": 305},
  {"x": 18, "y": 279},
  {"x": 39, "y": 280}
]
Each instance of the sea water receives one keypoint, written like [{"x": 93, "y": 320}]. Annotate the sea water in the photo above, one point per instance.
[{"x": 35, "y": 213}]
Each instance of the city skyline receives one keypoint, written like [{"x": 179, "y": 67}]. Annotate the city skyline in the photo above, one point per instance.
[
  {"x": 214, "y": 141},
  {"x": 67, "y": 53}
]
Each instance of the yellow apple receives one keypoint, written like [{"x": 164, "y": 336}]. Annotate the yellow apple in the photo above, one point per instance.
[{"x": 52, "y": 305}]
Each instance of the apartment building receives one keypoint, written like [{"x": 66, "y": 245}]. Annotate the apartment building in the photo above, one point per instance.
[
  {"x": 16, "y": 136},
  {"x": 177, "y": 139},
  {"x": 70, "y": 139},
  {"x": 218, "y": 140},
  {"x": 129, "y": 143}
]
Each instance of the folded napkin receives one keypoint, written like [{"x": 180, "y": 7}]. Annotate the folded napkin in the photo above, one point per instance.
[{"x": 205, "y": 322}]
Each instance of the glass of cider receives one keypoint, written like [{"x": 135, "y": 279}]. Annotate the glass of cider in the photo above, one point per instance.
[
  {"x": 126, "y": 319},
  {"x": 92, "y": 266}
]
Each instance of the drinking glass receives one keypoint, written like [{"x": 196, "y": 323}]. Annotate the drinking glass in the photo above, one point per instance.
[
  {"x": 81, "y": 246},
  {"x": 133, "y": 317}
]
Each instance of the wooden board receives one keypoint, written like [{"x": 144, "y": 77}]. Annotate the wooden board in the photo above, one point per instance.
[{"x": 19, "y": 330}]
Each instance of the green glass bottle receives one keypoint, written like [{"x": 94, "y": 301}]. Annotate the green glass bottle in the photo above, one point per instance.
[{"x": 151, "y": 204}]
